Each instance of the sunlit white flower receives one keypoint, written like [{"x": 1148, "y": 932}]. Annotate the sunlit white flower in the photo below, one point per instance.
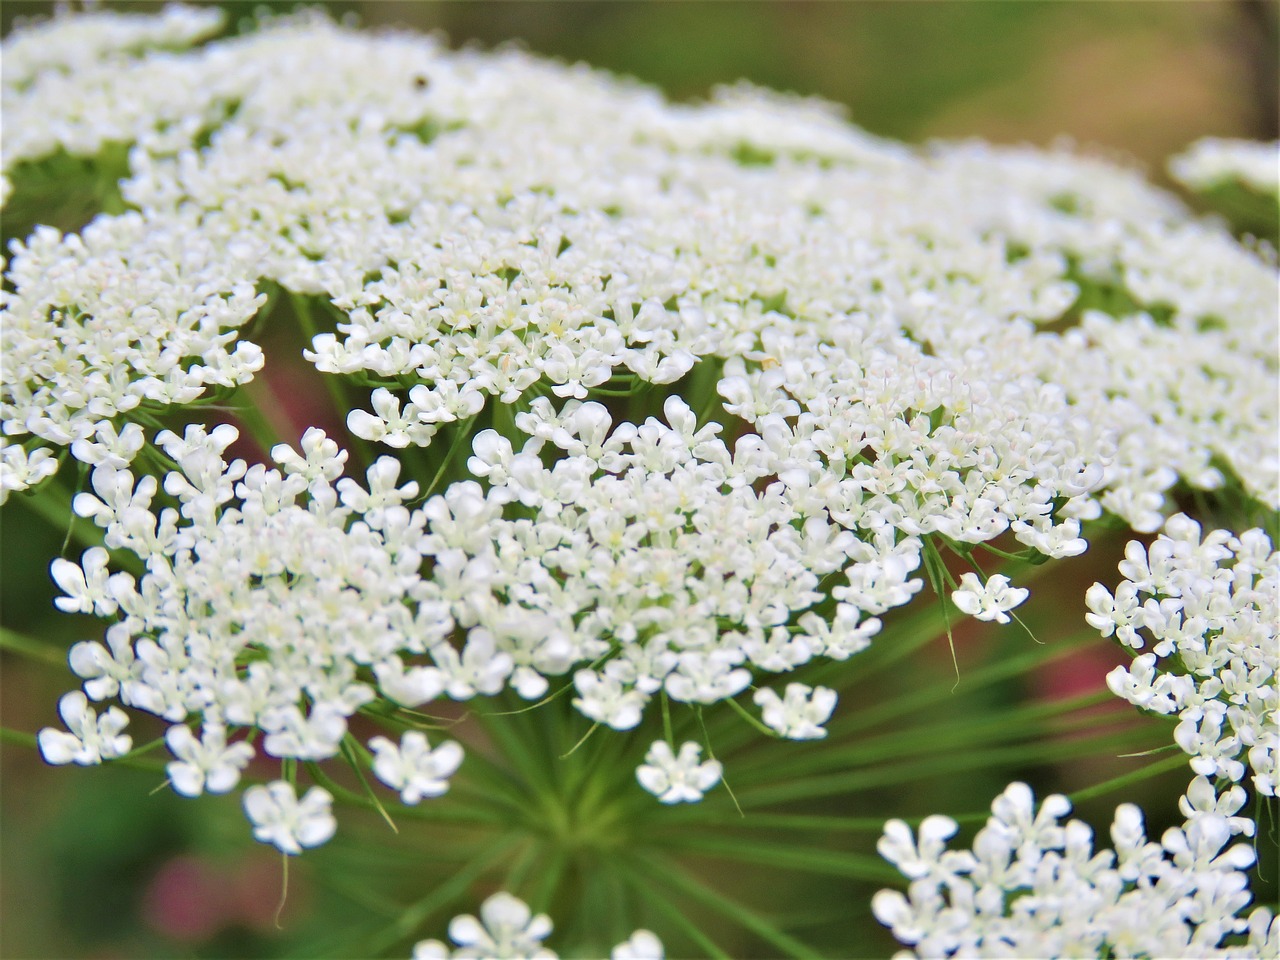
[
  {"x": 281, "y": 819},
  {"x": 412, "y": 767},
  {"x": 677, "y": 778},
  {"x": 641, "y": 945},
  {"x": 506, "y": 930},
  {"x": 91, "y": 738},
  {"x": 207, "y": 763},
  {"x": 989, "y": 601}
]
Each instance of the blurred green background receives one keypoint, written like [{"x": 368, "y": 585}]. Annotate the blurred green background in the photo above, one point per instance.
[{"x": 91, "y": 865}]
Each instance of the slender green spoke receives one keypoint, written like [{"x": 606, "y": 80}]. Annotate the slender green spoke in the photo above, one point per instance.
[
  {"x": 665, "y": 871},
  {"x": 411, "y": 918},
  {"x": 32, "y": 649},
  {"x": 787, "y": 856},
  {"x": 654, "y": 893},
  {"x": 944, "y": 764},
  {"x": 1036, "y": 721},
  {"x": 1125, "y": 779}
]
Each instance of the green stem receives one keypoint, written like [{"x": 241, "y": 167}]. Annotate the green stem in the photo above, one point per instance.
[
  {"x": 464, "y": 432},
  {"x": 31, "y": 649},
  {"x": 666, "y": 872}
]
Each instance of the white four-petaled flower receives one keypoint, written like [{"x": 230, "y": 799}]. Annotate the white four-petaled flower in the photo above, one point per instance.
[
  {"x": 207, "y": 762},
  {"x": 678, "y": 778},
  {"x": 412, "y": 767},
  {"x": 91, "y": 739},
  {"x": 281, "y": 819},
  {"x": 988, "y": 601},
  {"x": 506, "y": 930},
  {"x": 800, "y": 713}
]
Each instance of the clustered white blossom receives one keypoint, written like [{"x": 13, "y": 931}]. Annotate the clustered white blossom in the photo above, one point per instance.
[
  {"x": 1034, "y": 886},
  {"x": 487, "y": 222},
  {"x": 508, "y": 930},
  {"x": 281, "y": 819},
  {"x": 264, "y": 593},
  {"x": 1214, "y": 161},
  {"x": 991, "y": 600},
  {"x": 1210, "y": 608}
]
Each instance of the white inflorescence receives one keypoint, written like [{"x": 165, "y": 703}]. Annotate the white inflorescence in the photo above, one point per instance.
[
  {"x": 1214, "y": 161},
  {"x": 1210, "y": 608},
  {"x": 677, "y": 777},
  {"x": 1034, "y": 886},
  {"x": 960, "y": 342}
]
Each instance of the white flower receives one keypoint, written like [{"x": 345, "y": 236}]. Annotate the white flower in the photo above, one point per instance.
[
  {"x": 412, "y": 767},
  {"x": 676, "y": 778},
  {"x": 988, "y": 601},
  {"x": 641, "y": 945},
  {"x": 506, "y": 930},
  {"x": 281, "y": 819},
  {"x": 207, "y": 763},
  {"x": 91, "y": 740},
  {"x": 800, "y": 713}
]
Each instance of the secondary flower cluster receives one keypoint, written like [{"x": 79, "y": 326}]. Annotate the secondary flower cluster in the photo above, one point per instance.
[
  {"x": 1211, "y": 607},
  {"x": 264, "y": 593},
  {"x": 1033, "y": 886},
  {"x": 1214, "y": 161}
]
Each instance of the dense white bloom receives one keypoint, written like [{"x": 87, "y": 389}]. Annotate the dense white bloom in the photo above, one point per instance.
[
  {"x": 506, "y": 930},
  {"x": 677, "y": 778},
  {"x": 281, "y": 819},
  {"x": 800, "y": 713},
  {"x": 1212, "y": 609},
  {"x": 91, "y": 739},
  {"x": 990, "y": 600},
  {"x": 412, "y": 767},
  {"x": 1033, "y": 886},
  {"x": 901, "y": 340}
]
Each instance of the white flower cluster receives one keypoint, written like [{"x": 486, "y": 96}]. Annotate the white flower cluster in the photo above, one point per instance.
[
  {"x": 106, "y": 324},
  {"x": 646, "y": 553},
  {"x": 486, "y": 222},
  {"x": 1213, "y": 161},
  {"x": 1210, "y": 608},
  {"x": 507, "y": 930},
  {"x": 70, "y": 43},
  {"x": 265, "y": 593},
  {"x": 1034, "y": 886},
  {"x": 959, "y": 342}
]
